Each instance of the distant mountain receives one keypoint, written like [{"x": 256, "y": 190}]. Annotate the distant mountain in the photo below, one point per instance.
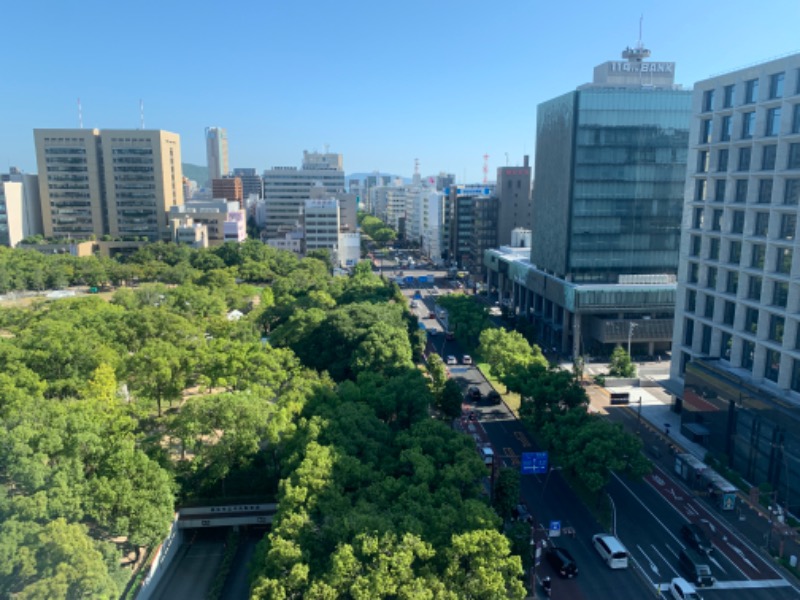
[{"x": 196, "y": 173}]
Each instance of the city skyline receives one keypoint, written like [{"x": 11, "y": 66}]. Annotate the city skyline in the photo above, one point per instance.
[{"x": 445, "y": 84}]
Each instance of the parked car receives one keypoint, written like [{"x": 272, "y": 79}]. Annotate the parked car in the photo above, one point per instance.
[
  {"x": 431, "y": 315},
  {"x": 451, "y": 360},
  {"x": 414, "y": 304},
  {"x": 474, "y": 393},
  {"x": 562, "y": 562},
  {"x": 696, "y": 537},
  {"x": 450, "y": 336},
  {"x": 683, "y": 590},
  {"x": 466, "y": 359},
  {"x": 494, "y": 397}
]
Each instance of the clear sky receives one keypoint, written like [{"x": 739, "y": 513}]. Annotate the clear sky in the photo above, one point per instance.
[{"x": 383, "y": 83}]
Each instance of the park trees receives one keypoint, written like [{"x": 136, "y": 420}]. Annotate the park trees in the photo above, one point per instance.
[
  {"x": 504, "y": 350},
  {"x": 620, "y": 364}
]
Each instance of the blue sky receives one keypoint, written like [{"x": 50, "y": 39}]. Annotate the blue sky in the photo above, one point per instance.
[{"x": 382, "y": 83}]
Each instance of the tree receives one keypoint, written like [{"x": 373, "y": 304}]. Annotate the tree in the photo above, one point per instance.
[
  {"x": 620, "y": 364},
  {"x": 157, "y": 373},
  {"x": 504, "y": 350},
  {"x": 506, "y": 492},
  {"x": 450, "y": 399},
  {"x": 545, "y": 391},
  {"x": 438, "y": 373}
]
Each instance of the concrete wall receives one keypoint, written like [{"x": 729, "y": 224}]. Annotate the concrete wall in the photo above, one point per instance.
[{"x": 166, "y": 553}]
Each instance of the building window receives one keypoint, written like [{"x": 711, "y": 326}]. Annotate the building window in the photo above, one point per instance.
[
  {"x": 744, "y": 158},
  {"x": 716, "y": 221},
  {"x": 722, "y": 160},
  {"x": 735, "y": 252},
  {"x": 765, "y": 191},
  {"x": 737, "y": 222},
  {"x": 748, "y": 124},
  {"x": 748, "y": 354},
  {"x": 694, "y": 249},
  {"x": 776, "y": 324},
  {"x": 697, "y": 222},
  {"x": 713, "y": 249},
  {"x": 741, "y": 191},
  {"x": 794, "y": 157},
  {"x": 780, "y": 293},
  {"x": 702, "y": 161},
  {"x": 708, "y": 312},
  {"x": 725, "y": 346},
  {"x": 688, "y": 333},
  {"x": 761, "y": 224},
  {"x": 768, "y": 157},
  {"x": 694, "y": 271},
  {"x": 751, "y": 91},
  {"x": 729, "y": 313},
  {"x": 757, "y": 257},
  {"x": 776, "y": 85},
  {"x": 691, "y": 300},
  {"x": 788, "y": 226},
  {"x": 711, "y": 278},
  {"x": 700, "y": 190},
  {"x": 795, "y": 375},
  {"x": 772, "y": 367},
  {"x": 708, "y": 100},
  {"x": 791, "y": 193},
  {"x": 773, "y": 122},
  {"x": 783, "y": 261},
  {"x": 751, "y": 320},
  {"x": 732, "y": 285},
  {"x": 705, "y": 342},
  {"x": 719, "y": 190},
  {"x": 754, "y": 288},
  {"x": 705, "y": 131},
  {"x": 725, "y": 128},
  {"x": 727, "y": 100}
]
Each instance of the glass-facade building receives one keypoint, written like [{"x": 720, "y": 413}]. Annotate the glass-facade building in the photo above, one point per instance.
[{"x": 614, "y": 205}]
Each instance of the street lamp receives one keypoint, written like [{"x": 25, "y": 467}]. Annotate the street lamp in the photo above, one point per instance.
[{"x": 631, "y": 327}]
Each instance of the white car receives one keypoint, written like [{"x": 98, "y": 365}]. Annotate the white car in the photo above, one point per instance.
[
  {"x": 467, "y": 359},
  {"x": 683, "y": 590},
  {"x": 414, "y": 304},
  {"x": 451, "y": 360}
]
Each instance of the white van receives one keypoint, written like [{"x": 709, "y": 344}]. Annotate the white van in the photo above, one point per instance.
[{"x": 611, "y": 550}]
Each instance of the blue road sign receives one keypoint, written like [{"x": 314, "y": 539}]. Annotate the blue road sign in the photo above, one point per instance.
[
  {"x": 555, "y": 528},
  {"x": 534, "y": 463}
]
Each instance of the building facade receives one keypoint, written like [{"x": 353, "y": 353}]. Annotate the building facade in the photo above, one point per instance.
[
  {"x": 286, "y": 190},
  {"x": 606, "y": 216},
  {"x": 736, "y": 346},
  {"x": 216, "y": 153},
  {"x": 20, "y": 207},
  {"x": 514, "y": 200},
  {"x": 228, "y": 188},
  {"x": 110, "y": 182},
  {"x": 223, "y": 221},
  {"x": 252, "y": 184}
]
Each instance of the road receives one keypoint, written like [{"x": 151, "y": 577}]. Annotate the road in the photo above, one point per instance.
[{"x": 192, "y": 572}]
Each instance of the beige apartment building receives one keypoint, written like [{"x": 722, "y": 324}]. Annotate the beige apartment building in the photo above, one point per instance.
[{"x": 119, "y": 182}]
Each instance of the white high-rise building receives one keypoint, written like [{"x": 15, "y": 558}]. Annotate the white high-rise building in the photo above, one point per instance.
[
  {"x": 216, "y": 153},
  {"x": 20, "y": 207},
  {"x": 736, "y": 344},
  {"x": 286, "y": 190},
  {"x": 432, "y": 225}
]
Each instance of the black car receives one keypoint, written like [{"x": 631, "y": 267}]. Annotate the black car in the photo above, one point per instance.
[
  {"x": 474, "y": 393},
  {"x": 696, "y": 537},
  {"x": 521, "y": 513},
  {"x": 563, "y": 563},
  {"x": 494, "y": 397}
]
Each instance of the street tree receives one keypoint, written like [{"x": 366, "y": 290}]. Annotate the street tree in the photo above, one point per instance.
[{"x": 620, "y": 364}]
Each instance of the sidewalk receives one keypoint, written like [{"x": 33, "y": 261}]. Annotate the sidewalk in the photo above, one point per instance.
[{"x": 751, "y": 521}]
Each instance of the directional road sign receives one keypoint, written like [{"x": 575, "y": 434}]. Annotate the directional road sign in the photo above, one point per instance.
[{"x": 534, "y": 463}]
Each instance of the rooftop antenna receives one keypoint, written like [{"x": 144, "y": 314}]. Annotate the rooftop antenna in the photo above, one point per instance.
[
  {"x": 80, "y": 114},
  {"x": 485, "y": 169},
  {"x": 141, "y": 113},
  {"x": 416, "y": 166},
  {"x": 506, "y": 158},
  {"x": 638, "y": 53}
]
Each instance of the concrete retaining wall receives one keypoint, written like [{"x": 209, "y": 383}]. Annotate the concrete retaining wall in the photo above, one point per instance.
[{"x": 161, "y": 561}]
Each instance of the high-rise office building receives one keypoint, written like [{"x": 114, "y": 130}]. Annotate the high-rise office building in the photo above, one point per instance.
[
  {"x": 471, "y": 224},
  {"x": 110, "y": 182},
  {"x": 286, "y": 190},
  {"x": 217, "y": 153},
  {"x": 252, "y": 184},
  {"x": 736, "y": 346},
  {"x": 229, "y": 188},
  {"x": 20, "y": 207},
  {"x": 609, "y": 177},
  {"x": 514, "y": 200}
]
